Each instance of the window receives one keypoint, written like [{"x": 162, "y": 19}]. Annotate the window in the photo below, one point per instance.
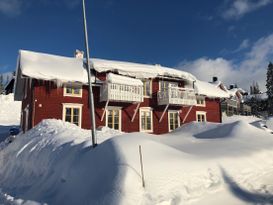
[
  {"x": 146, "y": 120},
  {"x": 174, "y": 120},
  {"x": 164, "y": 85},
  {"x": 72, "y": 113},
  {"x": 147, "y": 88},
  {"x": 201, "y": 101},
  {"x": 73, "y": 90},
  {"x": 201, "y": 116},
  {"x": 113, "y": 118}
]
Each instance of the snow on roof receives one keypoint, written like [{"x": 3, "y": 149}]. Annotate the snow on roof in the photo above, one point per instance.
[
  {"x": 139, "y": 70},
  {"x": 118, "y": 79},
  {"x": 235, "y": 91},
  {"x": 210, "y": 90},
  {"x": 52, "y": 67}
]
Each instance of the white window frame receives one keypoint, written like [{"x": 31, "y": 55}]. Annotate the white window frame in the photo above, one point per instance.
[
  {"x": 145, "y": 109},
  {"x": 169, "y": 119},
  {"x": 73, "y": 105},
  {"x": 73, "y": 86},
  {"x": 168, "y": 83},
  {"x": 120, "y": 115},
  {"x": 201, "y": 113},
  {"x": 151, "y": 88},
  {"x": 203, "y": 98}
]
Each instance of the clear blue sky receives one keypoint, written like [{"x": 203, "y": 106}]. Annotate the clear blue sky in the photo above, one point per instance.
[{"x": 154, "y": 31}]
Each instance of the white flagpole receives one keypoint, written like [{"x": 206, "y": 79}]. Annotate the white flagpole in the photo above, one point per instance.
[{"x": 91, "y": 97}]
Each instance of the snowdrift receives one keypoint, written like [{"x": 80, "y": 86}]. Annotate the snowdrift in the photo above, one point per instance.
[
  {"x": 54, "y": 164},
  {"x": 9, "y": 110}
]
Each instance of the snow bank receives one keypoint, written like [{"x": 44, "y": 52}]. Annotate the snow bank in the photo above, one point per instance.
[
  {"x": 10, "y": 110},
  {"x": 269, "y": 123},
  {"x": 54, "y": 164}
]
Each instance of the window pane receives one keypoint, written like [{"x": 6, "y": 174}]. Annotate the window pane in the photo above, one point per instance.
[
  {"x": 143, "y": 122},
  {"x": 149, "y": 123},
  {"x": 116, "y": 126},
  {"x": 110, "y": 120},
  {"x": 76, "y": 111},
  {"x": 77, "y": 91},
  {"x": 75, "y": 119},
  {"x": 68, "y": 111},
  {"x": 69, "y": 90},
  {"x": 68, "y": 118}
]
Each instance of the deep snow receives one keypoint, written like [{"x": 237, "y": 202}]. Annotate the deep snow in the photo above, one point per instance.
[
  {"x": 199, "y": 163},
  {"x": 9, "y": 115}
]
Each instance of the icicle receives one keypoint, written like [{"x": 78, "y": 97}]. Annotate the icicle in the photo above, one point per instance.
[{"x": 59, "y": 83}]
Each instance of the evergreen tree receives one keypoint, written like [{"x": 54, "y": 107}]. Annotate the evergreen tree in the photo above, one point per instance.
[{"x": 269, "y": 87}]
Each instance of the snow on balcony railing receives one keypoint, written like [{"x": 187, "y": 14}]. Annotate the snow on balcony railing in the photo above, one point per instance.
[
  {"x": 121, "y": 92},
  {"x": 176, "y": 96},
  {"x": 232, "y": 103}
]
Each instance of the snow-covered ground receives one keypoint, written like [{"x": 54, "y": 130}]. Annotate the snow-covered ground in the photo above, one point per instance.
[
  {"x": 199, "y": 163},
  {"x": 9, "y": 114},
  {"x": 230, "y": 163}
]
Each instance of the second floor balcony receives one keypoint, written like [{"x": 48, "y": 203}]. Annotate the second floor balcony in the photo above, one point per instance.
[
  {"x": 121, "y": 92},
  {"x": 176, "y": 96},
  {"x": 232, "y": 103}
]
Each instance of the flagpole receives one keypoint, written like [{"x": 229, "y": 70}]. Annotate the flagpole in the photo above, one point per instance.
[{"x": 91, "y": 97}]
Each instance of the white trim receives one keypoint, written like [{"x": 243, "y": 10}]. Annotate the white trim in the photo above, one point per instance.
[
  {"x": 178, "y": 118},
  {"x": 201, "y": 113},
  {"x": 120, "y": 115},
  {"x": 152, "y": 122},
  {"x": 73, "y": 86},
  {"x": 73, "y": 105},
  {"x": 203, "y": 98}
]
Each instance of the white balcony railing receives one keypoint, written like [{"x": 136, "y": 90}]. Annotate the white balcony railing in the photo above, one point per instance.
[
  {"x": 176, "y": 96},
  {"x": 232, "y": 103},
  {"x": 121, "y": 93}
]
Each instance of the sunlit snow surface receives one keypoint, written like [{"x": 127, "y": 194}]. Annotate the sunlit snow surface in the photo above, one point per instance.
[{"x": 229, "y": 163}]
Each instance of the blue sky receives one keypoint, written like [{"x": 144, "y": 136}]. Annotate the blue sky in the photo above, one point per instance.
[{"x": 210, "y": 37}]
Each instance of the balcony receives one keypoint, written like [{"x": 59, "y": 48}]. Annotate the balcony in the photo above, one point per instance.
[
  {"x": 176, "y": 96},
  {"x": 121, "y": 92},
  {"x": 232, "y": 103}
]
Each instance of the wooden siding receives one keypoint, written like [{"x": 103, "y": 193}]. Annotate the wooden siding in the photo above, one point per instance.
[{"x": 46, "y": 101}]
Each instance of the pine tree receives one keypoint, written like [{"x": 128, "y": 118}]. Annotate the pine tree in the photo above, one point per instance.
[{"x": 269, "y": 87}]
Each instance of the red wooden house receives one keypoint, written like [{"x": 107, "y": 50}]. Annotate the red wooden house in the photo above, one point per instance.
[{"x": 128, "y": 97}]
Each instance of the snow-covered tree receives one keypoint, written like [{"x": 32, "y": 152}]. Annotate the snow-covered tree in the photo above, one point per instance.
[{"x": 269, "y": 87}]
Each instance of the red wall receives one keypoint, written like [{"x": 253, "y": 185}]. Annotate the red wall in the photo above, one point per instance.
[{"x": 48, "y": 100}]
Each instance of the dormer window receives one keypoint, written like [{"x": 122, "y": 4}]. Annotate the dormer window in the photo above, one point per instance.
[{"x": 72, "y": 90}]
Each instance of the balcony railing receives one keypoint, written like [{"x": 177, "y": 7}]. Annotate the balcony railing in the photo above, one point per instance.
[
  {"x": 121, "y": 93},
  {"x": 232, "y": 103},
  {"x": 176, "y": 96}
]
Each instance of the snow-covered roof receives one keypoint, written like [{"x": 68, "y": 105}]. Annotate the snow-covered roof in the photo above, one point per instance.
[
  {"x": 70, "y": 69},
  {"x": 139, "y": 70},
  {"x": 237, "y": 91},
  {"x": 118, "y": 79},
  {"x": 210, "y": 90},
  {"x": 52, "y": 67}
]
